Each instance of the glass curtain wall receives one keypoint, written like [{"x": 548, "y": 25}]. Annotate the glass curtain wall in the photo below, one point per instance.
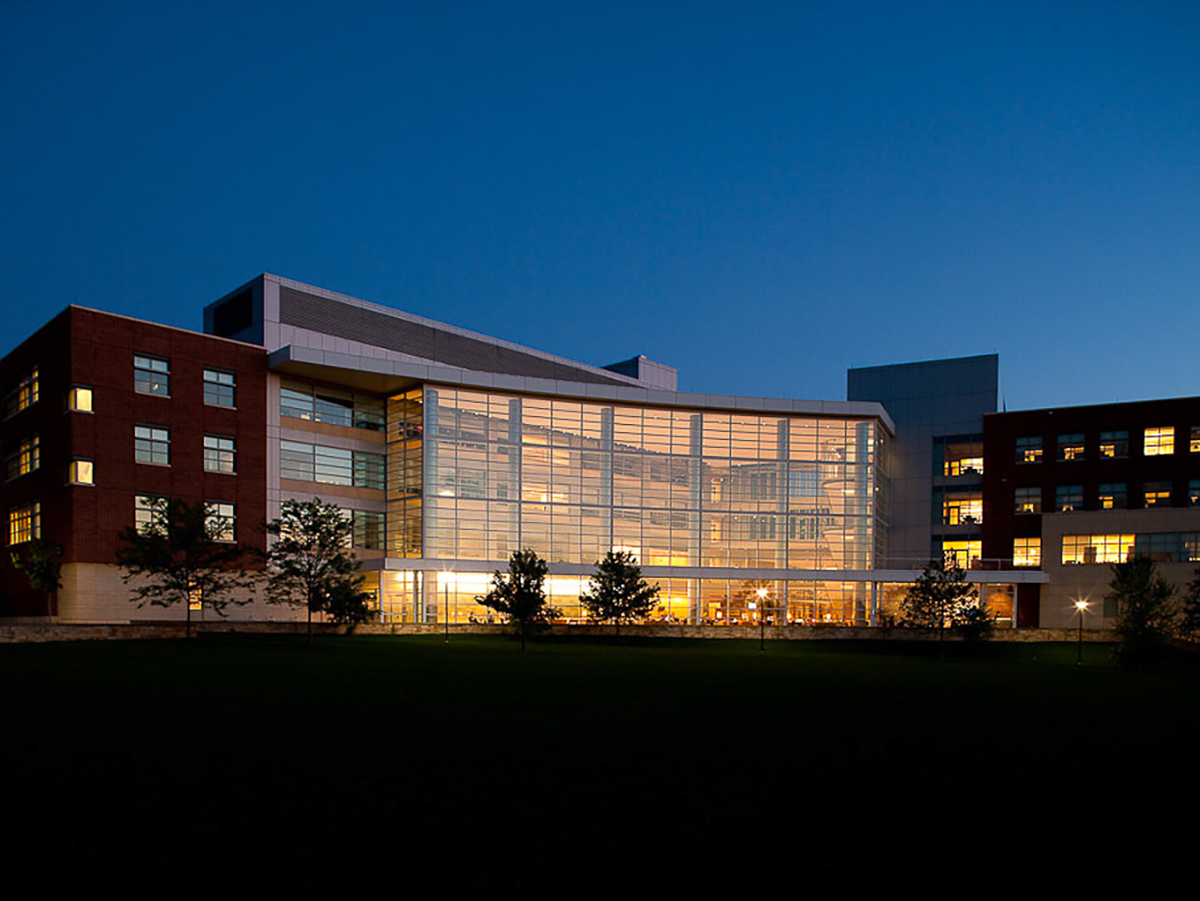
[{"x": 475, "y": 475}]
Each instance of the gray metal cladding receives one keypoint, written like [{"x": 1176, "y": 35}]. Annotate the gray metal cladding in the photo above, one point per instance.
[{"x": 354, "y": 323}]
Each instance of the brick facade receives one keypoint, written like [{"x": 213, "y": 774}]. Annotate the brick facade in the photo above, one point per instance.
[{"x": 90, "y": 348}]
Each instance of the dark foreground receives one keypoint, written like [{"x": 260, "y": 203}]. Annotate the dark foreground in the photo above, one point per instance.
[{"x": 383, "y": 766}]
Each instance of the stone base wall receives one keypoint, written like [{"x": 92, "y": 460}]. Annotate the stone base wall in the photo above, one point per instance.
[
  {"x": 30, "y": 631},
  {"x": 96, "y": 593}
]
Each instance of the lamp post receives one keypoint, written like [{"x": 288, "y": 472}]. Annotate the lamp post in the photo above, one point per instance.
[
  {"x": 762, "y": 619},
  {"x": 1080, "y": 605}
]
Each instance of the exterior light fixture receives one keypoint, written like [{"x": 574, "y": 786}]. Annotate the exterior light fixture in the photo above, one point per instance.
[
  {"x": 762, "y": 620},
  {"x": 1081, "y": 605}
]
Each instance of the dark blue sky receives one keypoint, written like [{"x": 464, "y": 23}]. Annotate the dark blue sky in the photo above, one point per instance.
[{"x": 760, "y": 194}]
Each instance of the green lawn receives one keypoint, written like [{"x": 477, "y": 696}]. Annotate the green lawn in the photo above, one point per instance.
[{"x": 387, "y": 762}]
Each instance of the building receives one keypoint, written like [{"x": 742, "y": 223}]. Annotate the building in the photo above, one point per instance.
[
  {"x": 449, "y": 449},
  {"x": 937, "y": 455},
  {"x": 1071, "y": 490}
]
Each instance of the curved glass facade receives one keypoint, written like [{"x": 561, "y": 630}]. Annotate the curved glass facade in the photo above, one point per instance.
[{"x": 474, "y": 475}]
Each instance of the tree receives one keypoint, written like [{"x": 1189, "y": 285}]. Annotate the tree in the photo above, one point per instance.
[
  {"x": 520, "y": 594},
  {"x": 41, "y": 568},
  {"x": 181, "y": 556},
  {"x": 617, "y": 590},
  {"x": 309, "y": 564},
  {"x": 1146, "y": 613},
  {"x": 1189, "y": 624},
  {"x": 941, "y": 597},
  {"x": 347, "y": 604}
]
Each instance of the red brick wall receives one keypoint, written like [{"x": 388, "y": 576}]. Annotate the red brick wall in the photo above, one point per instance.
[{"x": 86, "y": 347}]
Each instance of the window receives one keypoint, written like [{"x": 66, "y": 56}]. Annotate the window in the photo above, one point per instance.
[
  {"x": 333, "y": 406},
  {"x": 79, "y": 399},
  {"x": 1070, "y": 447},
  {"x": 1027, "y": 552},
  {"x": 368, "y": 529},
  {"x": 1157, "y": 494},
  {"x": 1194, "y": 493},
  {"x": 24, "y": 395},
  {"x": 1112, "y": 496},
  {"x": 151, "y": 375},
  {"x": 81, "y": 472},
  {"x": 369, "y": 472},
  {"x": 1068, "y": 498},
  {"x": 369, "y": 413},
  {"x": 25, "y": 459},
  {"x": 1194, "y": 444},
  {"x": 152, "y": 444},
  {"x": 962, "y": 509},
  {"x": 1114, "y": 445},
  {"x": 1029, "y": 449},
  {"x": 331, "y": 465},
  {"x": 962, "y": 459},
  {"x": 24, "y": 523},
  {"x": 219, "y": 521},
  {"x": 218, "y": 388},
  {"x": 219, "y": 454},
  {"x": 963, "y": 554},
  {"x": 1096, "y": 548},
  {"x": 1159, "y": 442},
  {"x": 1028, "y": 500},
  {"x": 149, "y": 511}
]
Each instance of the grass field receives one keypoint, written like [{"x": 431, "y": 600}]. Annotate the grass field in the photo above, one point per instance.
[{"x": 386, "y": 762}]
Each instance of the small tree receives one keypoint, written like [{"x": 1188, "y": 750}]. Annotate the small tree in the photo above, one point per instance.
[
  {"x": 347, "y": 604},
  {"x": 1189, "y": 624},
  {"x": 310, "y": 563},
  {"x": 180, "y": 556},
  {"x": 520, "y": 594},
  {"x": 41, "y": 567},
  {"x": 1146, "y": 614},
  {"x": 939, "y": 599},
  {"x": 617, "y": 590}
]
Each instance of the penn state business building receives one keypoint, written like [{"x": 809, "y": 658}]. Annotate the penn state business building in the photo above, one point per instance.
[{"x": 449, "y": 449}]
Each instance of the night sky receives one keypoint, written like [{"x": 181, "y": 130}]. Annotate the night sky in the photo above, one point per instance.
[{"x": 760, "y": 194}]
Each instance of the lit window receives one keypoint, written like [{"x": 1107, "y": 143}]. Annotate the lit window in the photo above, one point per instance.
[
  {"x": 1157, "y": 494},
  {"x": 24, "y": 523},
  {"x": 81, "y": 472},
  {"x": 79, "y": 399},
  {"x": 1028, "y": 500},
  {"x": 1068, "y": 498},
  {"x": 219, "y": 388},
  {"x": 1194, "y": 444},
  {"x": 219, "y": 521},
  {"x": 1096, "y": 548},
  {"x": 962, "y": 459},
  {"x": 1159, "y": 442},
  {"x": 1114, "y": 445},
  {"x": 1027, "y": 552},
  {"x": 152, "y": 444},
  {"x": 25, "y": 459},
  {"x": 962, "y": 509},
  {"x": 1112, "y": 496},
  {"x": 963, "y": 554},
  {"x": 151, "y": 375},
  {"x": 1029, "y": 449},
  {"x": 1194, "y": 493},
  {"x": 149, "y": 512},
  {"x": 219, "y": 454},
  {"x": 1070, "y": 447},
  {"x": 24, "y": 395}
]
